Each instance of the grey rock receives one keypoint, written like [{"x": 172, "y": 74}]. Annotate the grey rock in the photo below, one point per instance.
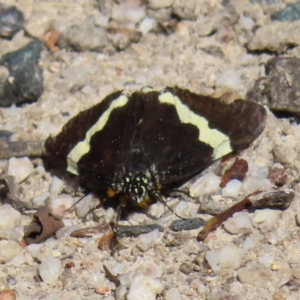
[
  {"x": 290, "y": 13},
  {"x": 280, "y": 89},
  {"x": 11, "y": 20},
  {"x": 189, "y": 224},
  {"x": 25, "y": 80}
]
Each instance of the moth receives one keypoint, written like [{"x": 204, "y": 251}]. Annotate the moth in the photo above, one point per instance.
[{"x": 137, "y": 146}]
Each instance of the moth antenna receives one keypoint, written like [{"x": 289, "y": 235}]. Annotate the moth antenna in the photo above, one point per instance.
[{"x": 161, "y": 199}]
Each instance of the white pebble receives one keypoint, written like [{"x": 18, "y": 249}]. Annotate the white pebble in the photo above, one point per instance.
[
  {"x": 266, "y": 219},
  {"x": 84, "y": 206},
  {"x": 9, "y": 217},
  {"x": 225, "y": 257},
  {"x": 15, "y": 234},
  {"x": 146, "y": 25},
  {"x": 8, "y": 250},
  {"x": 56, "y": 186},
  {"x": 126, "y": 278},
  {"x": 255, "y": 274},
  {"x": 96, "y": 280},
  {"x": 253, "y": 184},
  {"x": 20, "y": 168},
  {"x": 148, "y": 240},
  {"x": 128, "y": 13},
  {"x": 232, "y": 188},
  {"x": 157, "y": 4},
  {"x": 40, "y": 199},
  {"x": 173, "y": 294},
  {"x": 246, "y": 22},
  {"x": 205, "y": 185},
  {"x": 230, "y": 79},
  {"x": 61, "y": 205},
  {"x": 144, "y": 287},
  {"x": 101, "y": 20},
  {"x": 240, "y": 223},
  {"x": 50, "y": 269},
  {"x": 266, "y": 260},
  {"x": 257, "y": 171}
]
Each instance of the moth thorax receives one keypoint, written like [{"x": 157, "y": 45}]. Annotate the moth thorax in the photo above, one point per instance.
[{"x": 136, "y": 187}]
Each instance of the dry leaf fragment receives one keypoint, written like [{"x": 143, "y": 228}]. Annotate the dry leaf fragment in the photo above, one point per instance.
[{"x": 43, "y": 226}]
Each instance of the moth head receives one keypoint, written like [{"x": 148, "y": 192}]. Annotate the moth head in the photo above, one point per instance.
[{"x": 137, "y": 188}]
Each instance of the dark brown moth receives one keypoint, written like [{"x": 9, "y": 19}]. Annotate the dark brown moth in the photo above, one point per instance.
[{"x": 135, "y": 146}]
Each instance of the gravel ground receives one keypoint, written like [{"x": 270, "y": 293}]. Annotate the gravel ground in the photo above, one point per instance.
[{"x": 214, "y": 48}]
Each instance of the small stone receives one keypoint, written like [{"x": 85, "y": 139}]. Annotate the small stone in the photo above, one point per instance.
[
  {"x": 158, "y": 4},
  {"x": 50, "y": 269},
  {"x": 11, "y": 20},
  {"x": 255, "y": 274},
  {"x": 38, "y": 23},
  {"x": 277, "y": 265},
  {"x": 146, "y": 25},
  {"x": 225, "y": 257},
  {"x": 25, "y": 81},
  {"x": 20, "y": 168},
  {"x": 148, "y": 240},
  {"x": 240, "y": 223},
  {"x": 84, "y": 206},
  {"x": 40, "y": 200},
  {"x": 290, "y": 13},
  {"x": 173, "y": 294},
  {"x": 266, "y": 219},
  {"x": 101, "y": 20},
  {"x": 96, "y": 280},
  {"x": 186, "y": 268},
  {"x": 8, "y": 295},
  {"x": 232, "y": 188},
  {"x": 61, "y": 205},
  {"x": 144, "y": 287},
  {"x": 9, "y": 218},
  {"x": 56, "y": 186},
  {"x": 205, "y": 185},
  {"x": 246, "y": 22},
  {"x": 84, "y": 37},
  {"x": 253, "y": 184},
  {"x": 8, "y": 250},
  {"x": 128, "y": 13},
  {"x": 230, "y": 79},
  {"x": 273, "y": 37}
]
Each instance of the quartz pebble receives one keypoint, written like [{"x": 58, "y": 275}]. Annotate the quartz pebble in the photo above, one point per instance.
[
  {"x": 84, "y": 206},
  {"x": 232, "y": 188},
  {"x": 253, "y": 184},
  {"x": 50, "y": 269},
  {"x": 255, "y": 274},
  {"x": 40, "y": 199},
  {"x": 144, "y": 287},
  {"x": 128, "y": 13},
  {"x": 230, "y": 79},
  {"x": 207, "y": 184},
  {"x": 147, "y": 240},
  {"x": 246, "y": 22},
  {"x": 226, "y": 257},
  {"x": 173, "y": 294},
  {"x": 56, "y": 186},
  {"x": 61, "y": 205},
  {"x": 9, "y": 217},
  {"x": 158, "y": 4},
  {"x": 20, "y": 168},
  {"x": 8, "y": 250},
  {"x": 146, "y": 25},
  {"x": 266, "y": 219},
  {"x": 240, "y": 223}
]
